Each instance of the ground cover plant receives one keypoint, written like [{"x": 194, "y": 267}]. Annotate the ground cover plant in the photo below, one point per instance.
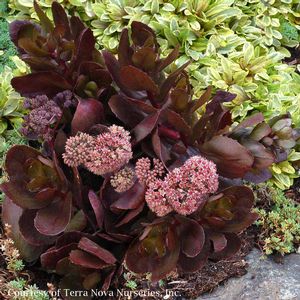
[
  {"x": 279, "y": 221},
  {"x": 129, "y": 176},
  {"x": 131, "y": 159}
]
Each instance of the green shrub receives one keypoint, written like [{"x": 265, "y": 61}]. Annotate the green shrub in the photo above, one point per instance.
[
  {"x": 3, "y": 8},
  {"x": 7, "y": 48}
]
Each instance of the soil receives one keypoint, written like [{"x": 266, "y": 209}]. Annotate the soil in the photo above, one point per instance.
[{"x": 294, "y": 192}]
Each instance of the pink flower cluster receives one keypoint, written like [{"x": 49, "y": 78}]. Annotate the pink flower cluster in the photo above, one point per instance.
[
  {"x": 123, "y": 180},
  {"x": 188, "y": 186},
  {"x": 184, "y": 189},
  {"x": 77, "y": 149},
  {"x": 111, "y": 152},
  {"x": 156, "y": 198},
  {"x": 145, "y": 173},
  {"x": 106, "y": 153}
]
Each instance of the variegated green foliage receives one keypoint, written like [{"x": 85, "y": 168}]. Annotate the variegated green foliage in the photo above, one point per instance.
[
  {"x": 270, "y": 22},
  {"x": 191, "y": 23},
  {"x": 284, "y": 173},
  {"x": 11, "y": 109}
]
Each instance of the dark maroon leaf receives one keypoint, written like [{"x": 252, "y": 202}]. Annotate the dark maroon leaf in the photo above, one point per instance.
[
  {"x": 230, "y": 209},
  {"x": 16, "y": 189},
  {"x": 107, "y": 280},
  {"x": 52, "y": 256},
  {"x": 202, "y": 100},
  {"x": 130, "y": 199},
  {"x": 145, "y": 127},
  {"x": 223, "y": 96},
  {"x": 29, "y": 232},
  {"x": 49, "y": 83},
  {"x": 71, "y": 237},
  {"x": 193, "y": 264},
  {"x": 124, "y": 111},
  {"x": 94, "y": 249},
  {"x": 260, "y": 131},
  {"x": 232, "y": 159},
  {"x": 31, "y": 48},
  {"x": 192, "y": 236},
  {"x": 219, "y": 241},
  {"x": 97, "y": 208},
  {"x": 131, "y": 215},
  {"x": 22, "y": 28},
  {"x": 40, "y": 63},
  {"x": 137, "y": 80},
  {"x": 158, "y": 265},
  {"x": 86, "y": 260},
  {"x": 73, "y": 282},
  {"x": 89, "y": 112},
  {"x": 77, "y": 223},
  {"x": 76, "y": 26},
  {"x": 114, "y": 70},
  {"x": 170, "y": 81},
  {"x": 263, "y": 158},
  {"x": 169, "y": 59},
  {"x": 91, "y": 280},
  {"x": 251, "y": 121},
  {"x": 159, "y": 148},
  {"x": 11, "y": 214},
  {"x": 233, "y": 246},
  {"x": 124, "y": 51},
  {"x": 258, "y": 176},
  {"x": 177, "y": 122},
  {"x": 144, "y": 58},
  {"x": 21, "y": 197},
  {"x": 54, "y": 218},
  {"x": 141, "y": 33},
  {"x": 85, "y": 45},
  {"x": 45, "y": 21},
  {"x": 60, "y": 19},
  {"x": 96, "y": 73}
]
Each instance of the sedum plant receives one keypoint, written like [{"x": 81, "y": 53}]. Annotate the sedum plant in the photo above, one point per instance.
[
  {"x": 130, "y": 175},
  {"x": 279, "y": 220}
]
